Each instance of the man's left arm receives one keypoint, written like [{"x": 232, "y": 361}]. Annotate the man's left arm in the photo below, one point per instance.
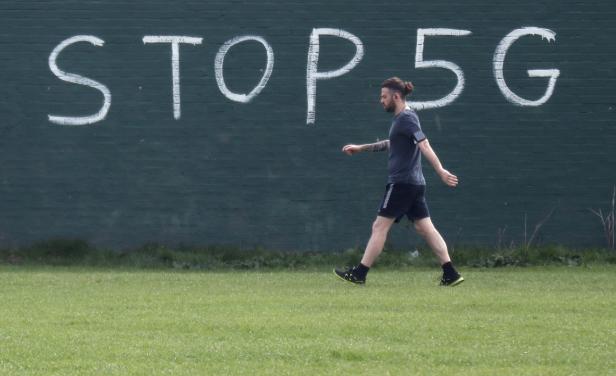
[{"x": 446, "y": 176}]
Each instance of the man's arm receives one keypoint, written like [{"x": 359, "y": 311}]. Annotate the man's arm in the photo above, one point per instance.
[
  {"x": 377, "y": 146},
  {"x": 446, "y": 176}
]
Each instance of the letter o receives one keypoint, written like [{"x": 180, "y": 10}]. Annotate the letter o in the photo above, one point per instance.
[{"x": 219, "y": 62}]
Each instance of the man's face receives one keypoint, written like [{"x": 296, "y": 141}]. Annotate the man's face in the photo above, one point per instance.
[{"x": 387, "y": 100}]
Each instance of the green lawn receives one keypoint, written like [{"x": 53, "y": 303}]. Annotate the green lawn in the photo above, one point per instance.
[{"x": 519, "y": 321}]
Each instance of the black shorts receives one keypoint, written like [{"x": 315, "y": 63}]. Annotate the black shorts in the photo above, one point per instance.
[{"x": 404, "y": 199}]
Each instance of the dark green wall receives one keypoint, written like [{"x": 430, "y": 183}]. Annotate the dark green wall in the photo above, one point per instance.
[{"x": 255, "y": 173}]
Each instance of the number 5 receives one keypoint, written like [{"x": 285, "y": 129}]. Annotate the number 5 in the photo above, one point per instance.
[{"x": 421, "y": 63}]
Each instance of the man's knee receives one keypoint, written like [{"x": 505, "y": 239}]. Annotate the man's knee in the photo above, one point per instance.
[
  {"x": 380, "y": 226},
  {"x": 420, "y": 230},
  {"x": 423, "y": 227}
]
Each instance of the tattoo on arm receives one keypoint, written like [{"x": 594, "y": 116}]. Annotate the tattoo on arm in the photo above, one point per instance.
[{"x": 378, "y": 146}]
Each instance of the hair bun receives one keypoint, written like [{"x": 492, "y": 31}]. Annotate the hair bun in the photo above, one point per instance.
[{"x": 408, "y": 87}]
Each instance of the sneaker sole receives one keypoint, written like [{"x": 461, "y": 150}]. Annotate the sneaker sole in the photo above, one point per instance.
[
  {"x": 456, "y": 282},
  {"x": 346, "y": 280}
]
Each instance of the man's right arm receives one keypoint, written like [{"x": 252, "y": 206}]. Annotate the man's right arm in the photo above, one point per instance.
[
  {"x": 447, "y": 177},
  {"x": 377, "y": 146}
]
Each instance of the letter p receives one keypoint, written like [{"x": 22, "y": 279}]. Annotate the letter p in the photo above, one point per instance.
[{"x": 312, "y": 73}]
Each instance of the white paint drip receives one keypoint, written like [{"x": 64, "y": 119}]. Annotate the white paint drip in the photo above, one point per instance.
[
  {"x": 312, "y": 73},
  {"x": 421, "y": 63},
  {"x": 499, "y": 62},
  {"x": 79, "y": 80},
  {"x": 219, "y": 71},
  {"x": 175, "y": 63}
]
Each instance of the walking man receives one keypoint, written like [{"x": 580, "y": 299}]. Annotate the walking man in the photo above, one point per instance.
[{"x": 405, "y": 190}]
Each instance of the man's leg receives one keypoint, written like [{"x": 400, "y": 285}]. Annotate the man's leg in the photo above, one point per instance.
[
  {"x": 425, "y": 228},
  {"x": 357, "y": 274},
  {"x": 380, "y": 229}
]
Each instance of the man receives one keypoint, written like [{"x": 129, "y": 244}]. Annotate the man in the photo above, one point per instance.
[{"x": 405, "y": 190}]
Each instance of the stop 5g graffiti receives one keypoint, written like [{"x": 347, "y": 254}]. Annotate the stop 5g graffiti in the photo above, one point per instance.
[{"x": 313, "y": 74}]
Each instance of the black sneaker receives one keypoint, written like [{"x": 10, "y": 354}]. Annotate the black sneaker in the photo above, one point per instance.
[
  {"x": 350, "y": 275},
  {"x": 451, "y": 281}
]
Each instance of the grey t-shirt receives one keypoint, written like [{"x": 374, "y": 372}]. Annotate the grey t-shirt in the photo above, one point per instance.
[{"x": 404, "y": 164}]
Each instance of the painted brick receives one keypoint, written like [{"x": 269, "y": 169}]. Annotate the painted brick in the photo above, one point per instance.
[{"x": 256, "y": 174}]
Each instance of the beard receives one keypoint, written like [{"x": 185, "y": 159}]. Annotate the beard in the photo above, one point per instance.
[{"x": 390, "y": 107}]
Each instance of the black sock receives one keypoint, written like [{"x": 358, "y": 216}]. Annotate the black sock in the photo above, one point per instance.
[
  {"x": 361, "y": 270},
  {"x": 449, "y": 270}
]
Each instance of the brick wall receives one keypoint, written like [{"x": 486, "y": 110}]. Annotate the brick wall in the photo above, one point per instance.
[{"x": 213, "y": 164}]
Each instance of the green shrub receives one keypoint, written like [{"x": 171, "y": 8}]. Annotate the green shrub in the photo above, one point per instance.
[{"x": 78, "y": 252}]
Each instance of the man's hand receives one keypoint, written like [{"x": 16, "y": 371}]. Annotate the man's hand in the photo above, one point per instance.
[
  {"x": 351, "y": 149},
  {"x": 448, "y": 178}
]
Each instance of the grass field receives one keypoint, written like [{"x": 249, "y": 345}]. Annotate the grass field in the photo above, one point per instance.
[{"x": 511, "y": 321}]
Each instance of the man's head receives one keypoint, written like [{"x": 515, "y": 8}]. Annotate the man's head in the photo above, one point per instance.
[{"x": 394, "y": 92}]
